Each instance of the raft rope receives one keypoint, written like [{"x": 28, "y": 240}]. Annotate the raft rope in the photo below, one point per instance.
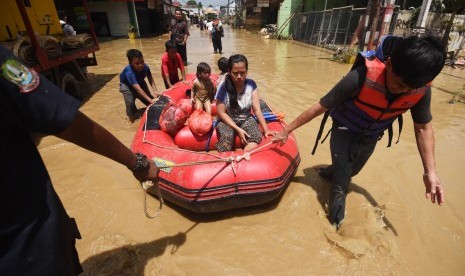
[{"x": 146, "y": 185}]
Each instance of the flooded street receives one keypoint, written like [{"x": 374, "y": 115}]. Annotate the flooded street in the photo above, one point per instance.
[{"x": 390, "y": 228}]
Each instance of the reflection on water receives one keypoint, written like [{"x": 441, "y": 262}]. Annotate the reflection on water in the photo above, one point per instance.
[{"x": 389, "y": 228}]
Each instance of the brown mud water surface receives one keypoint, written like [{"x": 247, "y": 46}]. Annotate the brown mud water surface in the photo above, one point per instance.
[{"x": 390, "y": 228}]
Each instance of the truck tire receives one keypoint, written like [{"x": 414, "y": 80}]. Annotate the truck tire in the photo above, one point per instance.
[{"x": 70, "y": 85}]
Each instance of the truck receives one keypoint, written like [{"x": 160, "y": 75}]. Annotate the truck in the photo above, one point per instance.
[{"x": 24, "y": 24}]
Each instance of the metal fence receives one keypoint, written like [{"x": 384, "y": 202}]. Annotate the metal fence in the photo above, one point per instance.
[{"x": 335, "y": 28}]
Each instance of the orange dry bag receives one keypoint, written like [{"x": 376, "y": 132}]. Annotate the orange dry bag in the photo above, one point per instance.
[{"x": 200, "y": 122}]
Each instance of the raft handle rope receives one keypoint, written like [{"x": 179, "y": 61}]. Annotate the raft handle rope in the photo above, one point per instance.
[
  {"x": 146, "y": 185},
  {"x": 230, "y": 159}
]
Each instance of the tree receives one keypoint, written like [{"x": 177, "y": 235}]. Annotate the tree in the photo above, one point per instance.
[
  {"x": 191, "y": 3},
  {"x": 199, "y": 5},
  {"x": 453, "y": 6}
]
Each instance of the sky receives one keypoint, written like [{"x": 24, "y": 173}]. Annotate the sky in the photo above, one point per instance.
[{"x": 214, "y": 3}]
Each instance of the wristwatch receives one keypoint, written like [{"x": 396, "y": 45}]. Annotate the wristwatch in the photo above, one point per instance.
[{"x": 142, "y": 162}]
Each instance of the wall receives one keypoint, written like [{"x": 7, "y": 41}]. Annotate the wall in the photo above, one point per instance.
[
  {"x": 117, "y": 14},
  {"x": 285, "y": 11},
  {"x": 455, "y": 39}
]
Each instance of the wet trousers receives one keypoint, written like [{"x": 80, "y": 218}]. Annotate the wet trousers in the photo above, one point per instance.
[
  {"x": 130, "y": 96},
  {"x": 182, "y": 50},
  {"x": 227, "y": 135},
  {"x": 349, "y": 153},
  {"x": 217, "y": 46}
]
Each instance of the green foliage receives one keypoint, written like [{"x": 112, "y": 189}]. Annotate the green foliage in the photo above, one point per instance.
[
  {"x": 345, "y": 55},
  {"x": 437, "y": 6},
  {"x": 412, "y": 21},
  {"x": 451, "y": 6},
  {"x": 191, "y": 3}
]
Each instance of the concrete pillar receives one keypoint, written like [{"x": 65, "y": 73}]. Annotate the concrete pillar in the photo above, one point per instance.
[{"x": 421, "y": 22}]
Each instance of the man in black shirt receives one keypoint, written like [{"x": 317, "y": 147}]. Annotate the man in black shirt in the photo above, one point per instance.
[
  {"x": 366, "y": 102},
  {"x": 37, "y": 236}
]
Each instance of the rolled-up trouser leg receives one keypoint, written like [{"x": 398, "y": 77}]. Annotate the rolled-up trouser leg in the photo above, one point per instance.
[
  {"x": 129, "y": 101},
  {"x": 349, "y": 153}
]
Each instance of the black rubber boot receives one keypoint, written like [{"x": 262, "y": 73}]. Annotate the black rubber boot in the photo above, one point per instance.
[
  {"x": 326, "y": 172},
  {"x": 337, "y": 203}
]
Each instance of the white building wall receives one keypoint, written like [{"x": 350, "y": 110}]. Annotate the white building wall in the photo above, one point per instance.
[
  {"x": 456, "y": 39},
  {"x": 117, "y": 14}
]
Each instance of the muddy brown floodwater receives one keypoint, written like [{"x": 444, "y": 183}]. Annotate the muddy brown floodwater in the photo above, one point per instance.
[{"x": 390, "y": 228}]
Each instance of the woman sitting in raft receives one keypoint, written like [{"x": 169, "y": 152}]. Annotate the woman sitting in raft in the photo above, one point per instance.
[{"x": 235, "y": 99}]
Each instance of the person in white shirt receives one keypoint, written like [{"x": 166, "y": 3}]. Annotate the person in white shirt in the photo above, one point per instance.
[
  {"x": 68, "y": 30},
  {"x": 209, "y": 26}
]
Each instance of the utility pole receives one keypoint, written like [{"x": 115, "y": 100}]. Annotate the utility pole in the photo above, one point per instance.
[
  {"x": 227, "y": 11},
  {"x": 374, "y": 24},
  {"x": 421, "y": 22},
  {"x": 387, "y": 17},
  {"x": 366, "y": 22},
  {"x": 322, "y": 23},
  {"x": 238, "y": 3}
]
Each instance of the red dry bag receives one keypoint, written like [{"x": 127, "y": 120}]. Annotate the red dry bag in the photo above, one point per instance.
[{"x": 172, "y": 119}]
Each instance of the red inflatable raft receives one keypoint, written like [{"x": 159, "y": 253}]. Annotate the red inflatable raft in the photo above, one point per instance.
[{"x": 212, "y": 181}]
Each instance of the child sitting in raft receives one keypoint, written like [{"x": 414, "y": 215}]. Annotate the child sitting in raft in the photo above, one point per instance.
[
  {"x": 223, "y": 66},
  {"x": 203, "y": 88}
]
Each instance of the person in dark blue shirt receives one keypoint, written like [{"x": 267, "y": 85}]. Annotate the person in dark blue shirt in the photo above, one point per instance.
[
  {"x": 37, "y": 237},
  {"x": 133, "y": 85}
]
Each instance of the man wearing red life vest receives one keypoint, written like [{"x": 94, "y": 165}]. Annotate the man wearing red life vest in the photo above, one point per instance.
[{"x": 366, "y": 102}]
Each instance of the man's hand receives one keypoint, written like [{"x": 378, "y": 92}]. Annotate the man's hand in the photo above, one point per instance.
[
  {"x": 150, "y": 173},
  {"x": 280, "y": 137},
  {"x": 434, "y": 190}
]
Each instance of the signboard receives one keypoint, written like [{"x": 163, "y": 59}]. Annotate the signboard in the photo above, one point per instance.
[
  {"x": 263, "y": 3},
  {"x": 257, "y": 9}
]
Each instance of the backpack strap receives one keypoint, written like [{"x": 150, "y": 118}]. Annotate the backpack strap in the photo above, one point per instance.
[
  {"x": 390, "y": 133},
  {"x": 400, "y": 121},
  {"x": 320, "y": 131}
]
